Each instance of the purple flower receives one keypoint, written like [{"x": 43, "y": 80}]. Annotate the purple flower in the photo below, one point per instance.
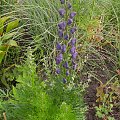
[
  {"x": 73, "y": 41},
  {"x": 72, "y": 30},
  {"x": 69, "y": 5},
  {"x": 58, "y": 71},
  {"x": 62, "y": 12},
  {"x": 72, "y": 50},
  {"x": 66, "y": 37},
  {"x": 60, "y": 33},
  {"x": 70, "y": 21},
  {"x": 72, "y": 14},
  {"x": 74, "y": 55},
  {"x": 63, "y": 49},
  {"x": 67, "y": 73},
  {"x": 59, "y": 59},
  {"x": 74, "y": 67},
  {"x": 58, "y": 46},
  {"x": 64, "y": 80},
  {"x": 65, "y": 65},
  {"x": 62, "y": 1},
  {"x": 62, "y": 25},
  {"x": 73, "y": 62}
]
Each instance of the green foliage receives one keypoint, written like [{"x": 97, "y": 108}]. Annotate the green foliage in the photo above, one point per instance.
[
  {"x": 103, "y": 112},
  {"x": 7, "y": 35},
  {"x": 65, "y": 113},
  {"x": 6, "y": 6},
  {"x": 30, "y": 100},
  {"x": 71, "y": 93},
  {"x": 6, "y": 40}
]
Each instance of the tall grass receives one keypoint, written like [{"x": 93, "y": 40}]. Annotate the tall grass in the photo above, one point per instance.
[
  {"x": 98, "y": 22},
  {"x": 42, "y": 18}
]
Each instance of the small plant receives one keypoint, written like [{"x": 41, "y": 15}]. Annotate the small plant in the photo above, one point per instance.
[{"x": 107, "y": 95}]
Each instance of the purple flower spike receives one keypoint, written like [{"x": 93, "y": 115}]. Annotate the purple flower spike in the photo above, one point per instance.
[
  {"x": 62, "y": 12},
  {"x": 65, "y": 65},
  {"x": 69, "y": 6},
  {"x": 72, "y": 15},
  {"x": 64, "y": 80},
  {"x": 58, "y": 46},
  {"x": 72, "y": 30},
  {"x": 70, "y": 21},
  {"x": 73, "y": 41},
  {"x": 62, "y": 25},
  {"x": 72, "y": 50},
  {"x": 66, "y": 37},
  {"x": 58, "y": 71},
  {"x": 63, "y": 49},
  {"x": 67, "y": 73},
  {"x": 62, "y": 1},
  {"x": 74, "y": 55},
  {"x": 59, "y": 59},
  {"x": 60, "y": 33}
]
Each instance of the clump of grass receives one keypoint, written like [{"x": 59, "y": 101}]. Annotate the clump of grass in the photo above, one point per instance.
[{"x": 42, "y": 24}]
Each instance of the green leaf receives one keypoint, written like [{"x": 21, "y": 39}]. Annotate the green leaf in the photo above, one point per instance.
[
  {"x": 3, "y": 47},
  {"x": 12, "y": 25},
  {"x": 15, "y": 92},
  {"x": 0, "y": 43},
  {"x": 12, "y": 43},
  {"x": 8, "y": 36},
  {"x": 2, "y": 53},
  {"x": 2, "y": 21}
]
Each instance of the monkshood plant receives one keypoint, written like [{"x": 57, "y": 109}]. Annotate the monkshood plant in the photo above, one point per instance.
[{"x": 65, "y": 84}]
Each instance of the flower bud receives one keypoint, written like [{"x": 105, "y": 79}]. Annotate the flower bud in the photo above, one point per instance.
[
  {"x": 58, "y": 71},
  {"x": 72, "y": 30},
  {"x": 73, "y": 41},
  {"x": 60, "y": 33},
  {"x": 74, "y": 55},
  {"x": 62, "y": 12},
  {"x": 62, "y": 25},
  {"x": 65, "y": 65},
  {"x": 69, "y": 6},
  {"x": 70, "y": 21},
  {"x": 72, "y": 15},
  {"x": 63, "y": 49},
  {"x": 66, "y": 37},
  {"x": 62, "y": 1},
  {"x": 74, "y": 67},
  {"x": 72, "y": 50},
  {"x": 59, "y": 59},
  {"x": 58, "y": 46},
  {"x": 67, "y": 73},
  {"x": 64, "y": 80}
]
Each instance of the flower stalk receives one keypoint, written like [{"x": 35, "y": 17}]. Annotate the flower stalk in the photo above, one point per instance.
[{"x": 66, "y": 48}]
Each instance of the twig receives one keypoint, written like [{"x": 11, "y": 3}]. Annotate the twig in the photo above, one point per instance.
[{"x": 4, "y": 115}]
